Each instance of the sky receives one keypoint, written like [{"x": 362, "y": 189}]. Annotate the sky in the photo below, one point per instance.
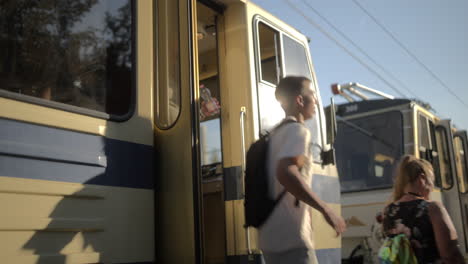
[{"x": 433, "y": 31}]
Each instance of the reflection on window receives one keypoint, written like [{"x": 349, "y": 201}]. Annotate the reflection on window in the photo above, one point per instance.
[
  {"x": 462, "y": 169},
  {"x": 313, "y": 125},
  {"x": 210, "y": 148},
  {"x": 73, "y": 52},
  {"x": 210, "y": 139},
  {"x": 168, "y": 61},
  {"x": 423, "y": 131},
  {"x": 268, "y": 39},
  {"x": 367, "y": 150},
  {"x": 271, "y": 112},
  {"x": 444, "y": 158},
  {"x": 295, "y": 58}
]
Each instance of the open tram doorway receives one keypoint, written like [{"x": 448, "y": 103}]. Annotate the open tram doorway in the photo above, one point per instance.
[{"x": 213, "y": 224}]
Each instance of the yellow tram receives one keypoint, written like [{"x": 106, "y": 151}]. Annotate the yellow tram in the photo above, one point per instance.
[{"x": 124, "y": 124}]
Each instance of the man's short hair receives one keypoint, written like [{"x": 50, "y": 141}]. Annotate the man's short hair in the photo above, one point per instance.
[{"x": 290, "y": 87}]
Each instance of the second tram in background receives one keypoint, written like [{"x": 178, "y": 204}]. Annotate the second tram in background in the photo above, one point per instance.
[{"x": 372, "y": 136}]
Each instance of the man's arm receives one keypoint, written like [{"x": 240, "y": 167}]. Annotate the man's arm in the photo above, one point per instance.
[{"x": 289, "y": 176}]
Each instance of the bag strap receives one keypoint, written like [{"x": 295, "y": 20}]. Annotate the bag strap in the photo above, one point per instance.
[
  {"x": 283, "y": 123},
  {"x": 280, "y": 196}
]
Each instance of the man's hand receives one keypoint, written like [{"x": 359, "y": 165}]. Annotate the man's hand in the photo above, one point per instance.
[
  {"x": 335, "y": 221},
  {"x": 289, "y": 176}
]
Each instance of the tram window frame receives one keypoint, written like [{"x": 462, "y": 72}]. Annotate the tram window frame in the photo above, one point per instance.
[
  {"x": 318, "y": 143},
  {"x": 318, "y": 119},
  {"x": 277, "y": 53},
  {"x": 425, "y": 128},
  {"x": 89, "y": 111},
  {"x": 426, "y": 134},
  {"x": 435, "y": 159},
  {"x": 263, "y": 85},
  {"x": 163, "y": 84},
  {"x": 444, "y": 140}
]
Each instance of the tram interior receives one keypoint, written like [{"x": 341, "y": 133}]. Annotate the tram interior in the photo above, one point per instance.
[{"x": 210, "y": 138}]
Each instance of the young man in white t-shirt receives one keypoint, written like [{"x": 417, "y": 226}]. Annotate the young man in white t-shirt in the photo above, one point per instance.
[{"x": 286, "y": 236}]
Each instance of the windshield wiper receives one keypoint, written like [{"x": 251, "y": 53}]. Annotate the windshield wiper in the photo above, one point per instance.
[{"x": 365, "y": 132}]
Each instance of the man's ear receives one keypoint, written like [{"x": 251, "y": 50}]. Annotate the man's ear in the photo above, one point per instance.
[{"x": 300, "y": 100}]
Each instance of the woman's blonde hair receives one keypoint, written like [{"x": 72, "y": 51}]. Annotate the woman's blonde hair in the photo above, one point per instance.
[{"x": 408, "y": 171}]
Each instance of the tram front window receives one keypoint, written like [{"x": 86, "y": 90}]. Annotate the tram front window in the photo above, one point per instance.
[{"x": 367, "y": 150}]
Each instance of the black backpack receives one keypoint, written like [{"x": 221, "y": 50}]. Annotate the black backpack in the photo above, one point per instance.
[{"x": 258, "y": 203}]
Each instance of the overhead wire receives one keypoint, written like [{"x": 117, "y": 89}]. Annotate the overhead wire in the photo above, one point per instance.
[
  {"x": 329, "y": 36},
  {"x": 411, "y": 54},
  {"x": 343, "y": 35}
]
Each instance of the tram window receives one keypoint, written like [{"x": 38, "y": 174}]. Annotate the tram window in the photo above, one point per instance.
[
  {"x": 367, "y": 151},
  {"x": 462, "y": 169},
  {"x": 423, "y": 132},
  {"x": 444, "y": 158},
  {"x": 210, "y": 125},
  {"x": 210, "y": 139},
  {"x": 296, "y": 63},
  {"x": 295, "y": 58},
  {"x": 167, "y": 107},
  {"x": 315, "y": 148},
  {"x": 435, "y": 159},
  {"x": 269, "y": 50},
  {"x": 75, "y": 53}
]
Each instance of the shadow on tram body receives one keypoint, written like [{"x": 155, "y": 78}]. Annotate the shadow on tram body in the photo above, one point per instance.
[{"x": 94, "y": 200}]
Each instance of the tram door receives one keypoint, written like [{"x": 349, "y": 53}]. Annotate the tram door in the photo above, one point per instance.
[
  {"x": 211, "y": 158},
  {"x": 461, "y": 152},
  {"x": 178, "y": 197},
  {"x": 190, "y": 194},
  {"x": 225, "y": 71},
  {"x": 450, "y": 181}
]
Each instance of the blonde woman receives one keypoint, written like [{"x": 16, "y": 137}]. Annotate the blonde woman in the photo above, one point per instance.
[{"x": 425, "y": 222}]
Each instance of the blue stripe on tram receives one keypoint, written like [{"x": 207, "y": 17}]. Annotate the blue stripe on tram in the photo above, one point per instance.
[{"x": 39, "y": 152}]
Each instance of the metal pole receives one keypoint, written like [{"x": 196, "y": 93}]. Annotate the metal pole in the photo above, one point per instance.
[
  {"x": 242, "y": 122},
  {"x": 358, "y": 93},
  {"x": 365, "y": 88}
]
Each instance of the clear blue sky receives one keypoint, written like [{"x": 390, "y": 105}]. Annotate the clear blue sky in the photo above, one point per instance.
[{"x": 435, "y": 31}]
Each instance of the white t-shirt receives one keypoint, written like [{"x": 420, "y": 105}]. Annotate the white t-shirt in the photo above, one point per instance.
[{"x": 289, "y": 226}]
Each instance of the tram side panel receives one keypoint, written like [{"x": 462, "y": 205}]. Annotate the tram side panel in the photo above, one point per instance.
[
  {"x": 74, "y": 186},
  {"x": 90, "y": 204}
]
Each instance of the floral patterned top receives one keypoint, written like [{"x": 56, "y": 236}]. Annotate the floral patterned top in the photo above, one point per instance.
[{"x": 413, "y": 217}]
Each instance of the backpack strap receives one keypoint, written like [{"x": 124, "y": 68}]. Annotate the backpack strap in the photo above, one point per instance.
[
  {"x": 280, "y": 196},
  {"x": 283, "y": 123}
]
